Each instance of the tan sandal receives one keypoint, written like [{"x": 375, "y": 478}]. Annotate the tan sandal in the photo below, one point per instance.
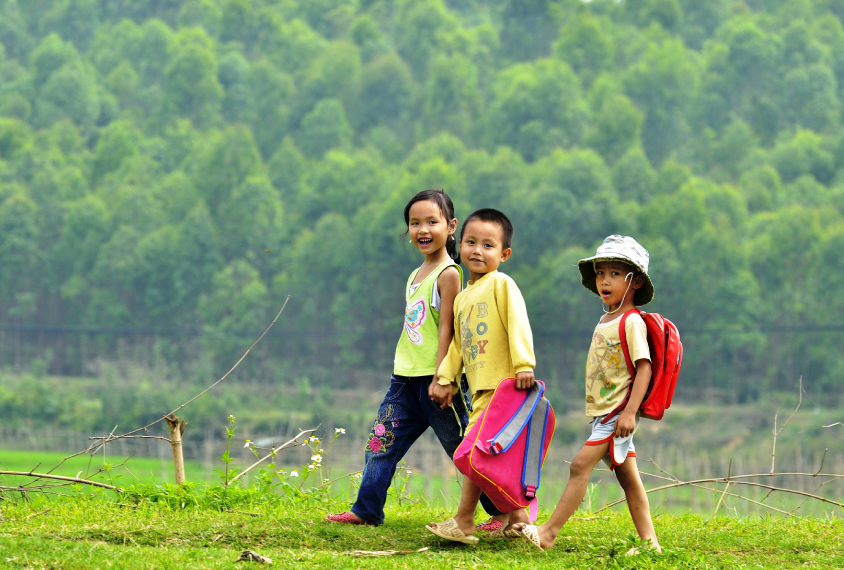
[
  {"x": 504, "y": 532},
  {"x": 450, "y": 531},
  {"x": 530, "y": 533}
]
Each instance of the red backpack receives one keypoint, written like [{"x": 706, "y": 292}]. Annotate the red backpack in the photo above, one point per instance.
[{"x": 666, "y": 357}]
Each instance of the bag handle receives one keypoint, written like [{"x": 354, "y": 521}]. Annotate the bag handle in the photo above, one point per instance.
[{"x": 535, "y": 439}]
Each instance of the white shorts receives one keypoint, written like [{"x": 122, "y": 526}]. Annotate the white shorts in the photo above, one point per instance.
[{"x": 620, "y": 448}]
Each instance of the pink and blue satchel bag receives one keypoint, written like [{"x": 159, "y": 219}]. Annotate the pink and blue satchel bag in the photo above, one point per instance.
[{"x": 504, "y": 451}]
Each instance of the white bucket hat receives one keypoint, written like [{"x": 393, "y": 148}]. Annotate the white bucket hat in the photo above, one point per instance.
[{"x": 619, "y": 248}]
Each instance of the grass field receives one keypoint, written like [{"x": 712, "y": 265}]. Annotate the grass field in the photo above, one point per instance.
[
  {"x": 100, "y": 533},
  {"x": 141, "y": 468}
]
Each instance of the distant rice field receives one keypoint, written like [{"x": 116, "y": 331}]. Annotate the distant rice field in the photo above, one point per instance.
[{"x": 142, "y": 468}]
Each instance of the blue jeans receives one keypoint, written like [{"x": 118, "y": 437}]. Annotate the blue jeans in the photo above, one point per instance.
[{"x": 404, "y": 415}]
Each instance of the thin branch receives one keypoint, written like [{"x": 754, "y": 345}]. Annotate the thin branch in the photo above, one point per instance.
[
  {"x": 109, "y": 438},
  {"x": 271, "y": 453},
  {"x": 742, "y": 497},
  {"x": 670, "y": 475},
  {"x": 776, "y": 431},
  {"x": 721, "y": 499},
  {"x": 59, "y": 478},
  {"x": 327, "y": 483},
  {"x": 774, "y": 447},
  {"x": 822, "y": 460},
  {"x": 814, "y": 491},
  {"x": 105, "y": 440},
  {"x": 735, "y": 482},
  {"x": 32, "y": 485},
  {"x": 44, "y": 512}
]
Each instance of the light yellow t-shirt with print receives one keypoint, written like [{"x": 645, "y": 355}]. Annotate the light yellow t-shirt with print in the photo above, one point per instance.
[{"x": 607, "y": 377}]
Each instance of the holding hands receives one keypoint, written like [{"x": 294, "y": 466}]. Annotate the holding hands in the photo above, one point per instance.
[{"x": 440, "y": 394}]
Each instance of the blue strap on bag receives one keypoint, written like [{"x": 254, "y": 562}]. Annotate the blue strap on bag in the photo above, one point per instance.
[{"x": 535, "y": 407}]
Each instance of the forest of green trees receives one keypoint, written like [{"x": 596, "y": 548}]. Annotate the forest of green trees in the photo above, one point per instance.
[{"x": 173, "y": 169}]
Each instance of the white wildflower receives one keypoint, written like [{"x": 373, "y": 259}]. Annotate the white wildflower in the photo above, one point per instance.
[
  {"x": 294, "y": 473},
  {"x": 339, "y": 430}
]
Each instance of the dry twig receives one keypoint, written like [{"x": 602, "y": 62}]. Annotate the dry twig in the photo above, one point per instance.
[
  {"x": 101, "y": 442},
  {"x": 777, "y": 432},
  {"x": 385, "y": 552},
  {"x": 76, "y": 480},
  {"x": 271, "y": 453}
]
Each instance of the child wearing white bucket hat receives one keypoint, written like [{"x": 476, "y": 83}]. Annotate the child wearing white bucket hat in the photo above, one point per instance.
[{"x": 618, "y": 274}]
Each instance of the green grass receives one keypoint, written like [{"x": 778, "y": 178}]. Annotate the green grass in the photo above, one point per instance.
[
  {"x": 94, "y": 531},
  {"x": 142, "y": 468}
]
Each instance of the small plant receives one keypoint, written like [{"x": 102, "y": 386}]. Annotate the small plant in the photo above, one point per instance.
[
  {"x": 283, "y": 483},
  {"x": 227, "y": 474},
  {"x": 590, "y": 489},
  {"x": 400, "y": 480}
]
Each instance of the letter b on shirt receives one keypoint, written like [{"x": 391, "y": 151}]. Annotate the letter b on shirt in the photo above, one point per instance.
[{"x": 482, "y": 310}]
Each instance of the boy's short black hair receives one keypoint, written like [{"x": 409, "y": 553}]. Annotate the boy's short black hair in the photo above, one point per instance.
[{"x": 494, "y": 217}]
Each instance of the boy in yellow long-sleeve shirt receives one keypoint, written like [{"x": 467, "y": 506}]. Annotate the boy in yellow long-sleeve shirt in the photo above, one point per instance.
[{"x": 492, "y": 340}]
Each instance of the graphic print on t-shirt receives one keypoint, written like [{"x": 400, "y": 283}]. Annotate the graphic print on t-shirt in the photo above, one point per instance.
[
  {"x": 414, "y": 316},
  {"x": 470, "y": 350},
  {"x": 604, "y": 356}
]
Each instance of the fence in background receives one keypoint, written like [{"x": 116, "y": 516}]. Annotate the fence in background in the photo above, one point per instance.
[{"x": 434, "y": 476}]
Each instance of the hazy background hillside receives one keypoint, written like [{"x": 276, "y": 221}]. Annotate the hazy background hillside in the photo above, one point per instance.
[{"x": 170, "y": 170}]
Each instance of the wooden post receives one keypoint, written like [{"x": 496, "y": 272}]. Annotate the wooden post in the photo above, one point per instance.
[{"x": 177, "y": 428}]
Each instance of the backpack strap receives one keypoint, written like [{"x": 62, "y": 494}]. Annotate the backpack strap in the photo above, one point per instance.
[
  {"x": 534, "y": 447},
  {"x": 622, "y": 335},
  {"x": 514, "y": 426}
]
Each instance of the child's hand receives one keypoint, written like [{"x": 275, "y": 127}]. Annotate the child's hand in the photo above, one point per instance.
[
  {"x": 625, "y": 425},
  {"x": 441, "y": 394},
  {"x": 524, "y": 380}
]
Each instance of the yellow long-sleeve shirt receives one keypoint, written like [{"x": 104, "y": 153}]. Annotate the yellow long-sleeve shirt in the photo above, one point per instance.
[{"x": 492, "y": 337}]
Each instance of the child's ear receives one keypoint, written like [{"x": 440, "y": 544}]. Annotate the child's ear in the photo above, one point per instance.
[
  {"x": 452, "y": 225},
  {"x": 505, "y": 255},
  {"x": 638, "y": 281}
]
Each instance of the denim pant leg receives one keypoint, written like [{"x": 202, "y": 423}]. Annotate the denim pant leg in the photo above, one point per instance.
[
  {"x": 398, "y": 425},
  {"x": 448, "y": 430}
]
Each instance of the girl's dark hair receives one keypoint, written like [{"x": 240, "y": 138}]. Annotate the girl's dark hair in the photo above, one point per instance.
[{"x": 442, "y": 200}]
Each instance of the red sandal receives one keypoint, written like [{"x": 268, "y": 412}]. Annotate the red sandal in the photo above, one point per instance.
[
  {"x": 491, "y": 525},
  {"x": 346, "y": 518}
]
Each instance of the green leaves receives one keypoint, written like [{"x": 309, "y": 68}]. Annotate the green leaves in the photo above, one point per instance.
[{"x": 164, "y": 164}]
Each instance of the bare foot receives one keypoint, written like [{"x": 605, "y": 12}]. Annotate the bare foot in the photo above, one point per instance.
[
  {"x": 653, "y": 545},
  {"x": 546, "y": 538}
]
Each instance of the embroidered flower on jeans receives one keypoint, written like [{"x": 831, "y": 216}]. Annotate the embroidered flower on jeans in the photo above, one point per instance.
[
  {"x": 380, "y": 429},
  {"x": 375, "y": 444},
  {"x": 395, "y": 424}
]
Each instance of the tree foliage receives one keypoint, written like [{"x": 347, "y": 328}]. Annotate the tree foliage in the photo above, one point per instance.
[{"x": 185, "y": 165}]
